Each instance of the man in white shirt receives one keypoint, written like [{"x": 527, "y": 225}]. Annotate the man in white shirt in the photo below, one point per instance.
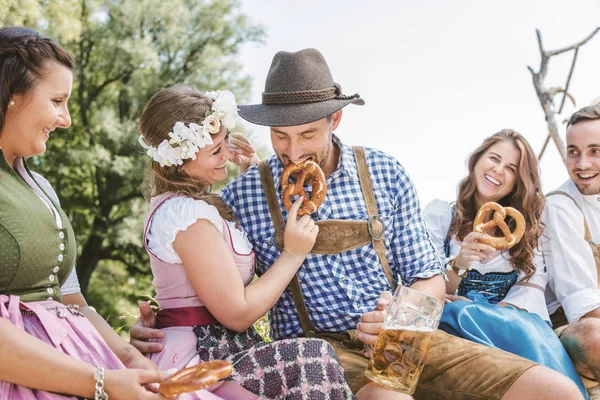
[{"x": 573, "y": 228}]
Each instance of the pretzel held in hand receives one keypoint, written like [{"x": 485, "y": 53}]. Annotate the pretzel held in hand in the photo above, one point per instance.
[
  {"x": 500, "y": 213},
  {"x": 195, "y": 378},
  {"x": 319, "y": 187}
]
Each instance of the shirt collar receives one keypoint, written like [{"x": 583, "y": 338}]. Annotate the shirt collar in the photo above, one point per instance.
[
  {"x": 593, "y": 200},
  {"x": 346, "y": 164}
]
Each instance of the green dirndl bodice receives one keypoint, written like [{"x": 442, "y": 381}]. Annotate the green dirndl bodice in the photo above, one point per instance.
[{"x": 37, "y": 248}]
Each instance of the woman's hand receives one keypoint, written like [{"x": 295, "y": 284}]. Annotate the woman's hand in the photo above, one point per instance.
[
  {"x": 131, "y": 384},
  {"x": 300, "y": 234},
  {"x": 139, "y": 361},
  {"x": 449, "y": 298},
  {"x": 471, "y": 250},
  {"x": 245, "y": 154}
]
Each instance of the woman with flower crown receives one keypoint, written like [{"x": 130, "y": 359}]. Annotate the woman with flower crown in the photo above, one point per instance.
[{"x": 203, "y": 264}]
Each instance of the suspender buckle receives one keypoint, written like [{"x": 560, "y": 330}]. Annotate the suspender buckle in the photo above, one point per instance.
[{"x": 370, "y": 227}]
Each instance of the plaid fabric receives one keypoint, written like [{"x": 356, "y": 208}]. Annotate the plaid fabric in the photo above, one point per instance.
[
  {"x": 293, "y": 369},
  {"x": 339, "y": 288}
]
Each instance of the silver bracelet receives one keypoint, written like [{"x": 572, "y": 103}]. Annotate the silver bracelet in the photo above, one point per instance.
[{"x": 99, "y": 377}]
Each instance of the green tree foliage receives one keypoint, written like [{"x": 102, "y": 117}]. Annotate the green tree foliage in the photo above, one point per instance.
[{"x": 125, "y": 51}]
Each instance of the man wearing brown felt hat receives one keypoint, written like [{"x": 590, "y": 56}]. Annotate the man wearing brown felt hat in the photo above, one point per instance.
[
  {"x": 371, "y": 238},
  {"x": 302, "y": 105}
]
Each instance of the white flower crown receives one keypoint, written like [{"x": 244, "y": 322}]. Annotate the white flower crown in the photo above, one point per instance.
[{"x": 185, "y": 141}]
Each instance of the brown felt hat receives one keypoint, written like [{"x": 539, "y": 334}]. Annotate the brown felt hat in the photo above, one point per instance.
[{"x": 299, "y": 89}]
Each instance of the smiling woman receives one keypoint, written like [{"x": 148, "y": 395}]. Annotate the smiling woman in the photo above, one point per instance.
[
  {"x": 503, "y": 169},
  {"x": 32, "y": 117},
  {"x": 45, "y": 323},
  {"x": 38, "y": 104}
]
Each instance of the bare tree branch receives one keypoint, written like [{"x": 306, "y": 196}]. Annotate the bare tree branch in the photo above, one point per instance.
[
  {"x": 546, "y": 96},
  {"x": 573, "y": 46}
]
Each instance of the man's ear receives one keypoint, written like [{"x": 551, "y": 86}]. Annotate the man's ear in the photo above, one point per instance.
[{"x": 336, "y": 117}]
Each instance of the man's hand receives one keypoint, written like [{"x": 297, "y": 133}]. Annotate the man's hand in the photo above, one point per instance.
[
  {"x": 143, "y": 329},
  {"x": 371, "y": 323}
]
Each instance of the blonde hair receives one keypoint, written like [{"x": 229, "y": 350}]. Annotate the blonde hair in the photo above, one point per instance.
[
  {"x": 177, "y": 103},
  {"x": 526, "y": 197}
]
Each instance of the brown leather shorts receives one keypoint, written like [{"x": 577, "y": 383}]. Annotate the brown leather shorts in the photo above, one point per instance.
[{"x": 455, "y": 369}]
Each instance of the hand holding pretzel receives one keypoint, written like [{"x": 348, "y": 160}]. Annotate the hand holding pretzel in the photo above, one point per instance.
[
  {"x": 472, "y": 250},
  {"x": 500, "y": 213},
  {"x": 319, "y": 185},
  {"x": 195, "y": 378}
]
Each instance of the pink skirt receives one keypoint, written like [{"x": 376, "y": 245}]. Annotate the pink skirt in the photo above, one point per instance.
[
  {"x": 72, "y": 334},
  {"x": 65, "y": 330}
]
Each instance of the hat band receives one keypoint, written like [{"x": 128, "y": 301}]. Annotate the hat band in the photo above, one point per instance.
[{"x": 306, "y": 96}]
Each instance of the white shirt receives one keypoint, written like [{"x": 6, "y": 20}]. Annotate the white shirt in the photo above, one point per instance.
[
  {"x": 572, "y": 271},
  {"x": 177, "y": 214},
  {"x": 438, "y": 216}
]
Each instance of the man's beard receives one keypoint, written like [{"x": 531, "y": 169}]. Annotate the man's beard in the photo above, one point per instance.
[{"x": 588, "y": 190}]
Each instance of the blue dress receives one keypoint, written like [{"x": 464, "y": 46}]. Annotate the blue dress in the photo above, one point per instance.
[{"x": 506, "y": 328}]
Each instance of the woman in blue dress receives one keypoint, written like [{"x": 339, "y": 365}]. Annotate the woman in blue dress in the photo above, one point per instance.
[{"x": 496, "y": 297}]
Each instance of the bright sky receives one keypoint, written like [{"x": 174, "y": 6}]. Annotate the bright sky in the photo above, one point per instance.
[{"x": 437, "y": 76}]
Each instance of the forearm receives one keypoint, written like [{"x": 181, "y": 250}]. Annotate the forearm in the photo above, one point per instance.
[
  {"x": 27, "y": 361},
  {"x": 262, "y": 294},
  {"x": 434, "y": 286},
  {"x": 123, "y": 350},
  {"x": 453, "y": 281}
]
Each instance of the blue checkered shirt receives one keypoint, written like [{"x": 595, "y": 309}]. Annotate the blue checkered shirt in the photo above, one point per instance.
[{"x": 339, "y": 288}]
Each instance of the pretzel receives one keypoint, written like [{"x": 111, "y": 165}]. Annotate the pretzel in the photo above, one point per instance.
[
  {"x": 500, "y": 213},
  {"x": 195, "y": 378},
  {"x": 319, "y": 187}
]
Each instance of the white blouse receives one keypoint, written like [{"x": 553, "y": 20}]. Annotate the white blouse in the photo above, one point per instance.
[
  {"x": 177, "y": 214},
  {"x": 438, "y": 216},
  {"x": 571, "y": 266}
]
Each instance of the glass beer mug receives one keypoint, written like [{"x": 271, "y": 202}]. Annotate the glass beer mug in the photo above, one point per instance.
[{"x": 399, "y": 354}]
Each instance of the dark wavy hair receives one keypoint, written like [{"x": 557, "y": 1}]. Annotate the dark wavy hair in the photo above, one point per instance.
[
  {"x": 24, "y": 57},
  {"x": 177, "y": 103},
  {"x": 527, "y": 197}
]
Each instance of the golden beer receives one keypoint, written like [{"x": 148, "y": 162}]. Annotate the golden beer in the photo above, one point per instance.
[{"x": 399, "y": 356}]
